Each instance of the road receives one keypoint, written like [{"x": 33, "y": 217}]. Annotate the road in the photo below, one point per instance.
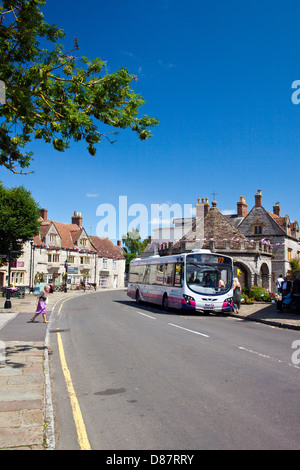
[{"x": 145, "y": 379}]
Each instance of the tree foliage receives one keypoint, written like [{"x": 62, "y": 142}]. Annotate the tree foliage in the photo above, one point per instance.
[
  {"x": 133, "y": 246},
  {"x": 19, "y": 215},
  {"x": 54, "y": 95}
]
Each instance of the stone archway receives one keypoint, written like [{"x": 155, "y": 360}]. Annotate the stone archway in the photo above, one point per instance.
[
  {"x": 244, "y": 275},
  {"x": 265, "y": 276}
]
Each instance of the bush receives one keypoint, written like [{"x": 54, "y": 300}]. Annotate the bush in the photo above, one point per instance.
[
  {"x": 259, "y": 293},
  {"x": 246, "y": 299},
  {"x": 256, "y": 292}
]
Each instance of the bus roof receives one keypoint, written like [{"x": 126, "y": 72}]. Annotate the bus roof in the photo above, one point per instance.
[{"x": 156, "y": 259}]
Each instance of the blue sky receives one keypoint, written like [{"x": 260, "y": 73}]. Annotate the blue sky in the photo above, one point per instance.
[{"x": 218, "y": 75}]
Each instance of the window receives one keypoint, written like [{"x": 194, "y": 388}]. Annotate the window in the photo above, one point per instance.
[
  {"x": 169, "y": 274},
  {"x": 103, "y": 281},
  {"x": 257, "y": 230},
  {"x": 178, "y": 275},
  {"x": 104, "y": 261},
  {"x": 160, "y": 274},
  {"x": 53, "y": 258},
  {"x": 114, "y": 264},
  {"x": 290, "y": 254},
  {"x": 53, "y": 238},
  {"x": 71, "y": 259},
  {"x": 17, "y": 278},
  {"x": 83, "y": 242}
]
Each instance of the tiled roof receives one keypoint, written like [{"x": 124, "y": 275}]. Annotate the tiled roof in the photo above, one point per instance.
[
  {"x": 106, "y": 248},
  {"x": 65, "y": 231},
  {"x": 216, "y": 227}
]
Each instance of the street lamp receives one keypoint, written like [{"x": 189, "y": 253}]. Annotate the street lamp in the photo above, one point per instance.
[
  {"x": 66, "y": 276},
  {"x": 8, "y": 301}
]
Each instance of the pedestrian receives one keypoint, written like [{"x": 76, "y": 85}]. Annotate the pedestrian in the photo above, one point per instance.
[
  {"x": 279, "y": 282},
  {"x": 237, "y": 292},
  {"x": 41, "y": 304},
  {"x": 286, "y": 288},
  {"x": 296, "y": 292}
]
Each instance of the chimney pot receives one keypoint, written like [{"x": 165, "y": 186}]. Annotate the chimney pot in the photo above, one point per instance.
[
  {"x": 276, "y": 210},
  {"x": 242, "y": 207},
  {"x": 44, "y": 213},
  {"x": 258, "y": 199},
  {"x": 77, "y": 219}
]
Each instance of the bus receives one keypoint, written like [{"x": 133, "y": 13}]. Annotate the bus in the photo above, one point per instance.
[{"x": 200, "y": 280}]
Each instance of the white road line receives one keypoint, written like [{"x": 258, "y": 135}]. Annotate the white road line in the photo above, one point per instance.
[
  {"x": 265, "y": 356},
  {"x": 190, "y": 331},
  {"x": 144, "y": 314}
]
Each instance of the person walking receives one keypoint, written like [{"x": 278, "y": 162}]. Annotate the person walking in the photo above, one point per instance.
[
  {"x": 41, "y": 304},
  {"x": 237, "y": 292},
  {"x": 279, "y": 283}
]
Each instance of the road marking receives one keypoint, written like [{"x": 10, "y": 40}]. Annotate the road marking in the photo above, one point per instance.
[
  {"x": 58, "y": 313},
  {"x": 190, "y": 331},
  {"x": 265, "y": 356},
  {"x": 145, "y": 315},
  {"x": 77, "y": 415}
]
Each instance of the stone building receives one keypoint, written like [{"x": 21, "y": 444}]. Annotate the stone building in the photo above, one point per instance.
[
  {"x": 213, "y": 230},
  {"x": 270, "y": 227},
  {"x": 89, "y": 259}
]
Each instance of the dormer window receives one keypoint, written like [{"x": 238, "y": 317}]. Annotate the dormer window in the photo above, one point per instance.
[
  {"x": 53, "y": 238},
  {"x": 257, "y": 229}
]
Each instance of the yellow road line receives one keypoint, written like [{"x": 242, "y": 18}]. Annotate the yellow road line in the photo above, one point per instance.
[
  {"x": 77, "y": 415},
  {"x": 58, "y": 313}
]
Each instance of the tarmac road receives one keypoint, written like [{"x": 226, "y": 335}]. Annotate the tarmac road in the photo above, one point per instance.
[{"x": 145, "y": 379}]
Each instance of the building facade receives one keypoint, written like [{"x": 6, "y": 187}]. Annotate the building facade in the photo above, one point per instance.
[
  {"x": 64, "y": 252},
  {"x": 212, "y": 230},
  {"x": 271, "y": 227}
]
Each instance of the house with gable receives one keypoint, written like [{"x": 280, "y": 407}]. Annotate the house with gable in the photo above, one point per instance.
[
  {"x": 62, "y": 249},
  {"x": 264, "y": 226},
  {"x": 214, "y": 231}
]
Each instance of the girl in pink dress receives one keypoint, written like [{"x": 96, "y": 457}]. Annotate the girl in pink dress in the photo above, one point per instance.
[{"x": 41, "y": 304}]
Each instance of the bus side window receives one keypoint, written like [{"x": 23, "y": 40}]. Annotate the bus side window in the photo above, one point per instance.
[
  {"x": 146, "y": 274},
  {"x": 169, "y": 274},
  {"x": 178, "y": 275}
]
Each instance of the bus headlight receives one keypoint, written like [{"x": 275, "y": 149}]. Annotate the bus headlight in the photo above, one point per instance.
[{"x": 188, "y": 299}]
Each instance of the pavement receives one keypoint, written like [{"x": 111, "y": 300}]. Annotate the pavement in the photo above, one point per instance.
[{"x": 26, "y": 413}]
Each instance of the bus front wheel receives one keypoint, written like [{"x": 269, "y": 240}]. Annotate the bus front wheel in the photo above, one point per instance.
[{"x": 137, "y": 297}]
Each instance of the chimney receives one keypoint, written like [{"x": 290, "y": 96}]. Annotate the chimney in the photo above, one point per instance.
[
  {"x": 242, "y": 207},
  {"x": 77, "y": 219},
  {"x": 202, "y": 207},
  {"x": 276, "y": 209},
  {"x": 44, "y": 213},
  {"x": 119, "y": 243},
  {"x": 258, "y": 199}
]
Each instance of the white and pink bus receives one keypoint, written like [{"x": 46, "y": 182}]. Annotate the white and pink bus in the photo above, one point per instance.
[{"x": 199, "y": 280}]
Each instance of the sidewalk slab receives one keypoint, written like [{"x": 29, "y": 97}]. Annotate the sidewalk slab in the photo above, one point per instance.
[{"x": 22, "y": 390}]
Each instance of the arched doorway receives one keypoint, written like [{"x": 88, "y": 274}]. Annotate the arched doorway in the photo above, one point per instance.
[
  {"x": 264, "y": 275},
  {"x": 242, "y": 273}
]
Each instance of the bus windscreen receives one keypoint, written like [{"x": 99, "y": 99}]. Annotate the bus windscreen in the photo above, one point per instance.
[{"x": 208, "y": 273}]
